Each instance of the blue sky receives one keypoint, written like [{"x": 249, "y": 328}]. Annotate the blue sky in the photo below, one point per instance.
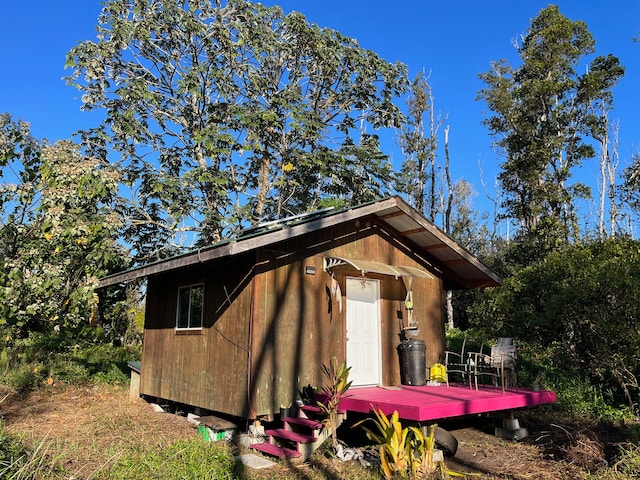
[{"x": 454, "y": 40}]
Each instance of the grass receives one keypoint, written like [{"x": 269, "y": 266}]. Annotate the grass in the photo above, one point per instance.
[
  {"x": 22, "y": 463},
  {"x": 627, "y": 466},
  {"x": 192, "y": 459},
  {"x": 99, "y": 435}
]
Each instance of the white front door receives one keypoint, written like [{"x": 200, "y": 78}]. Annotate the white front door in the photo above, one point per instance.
[{"x": 364, "y": 349}]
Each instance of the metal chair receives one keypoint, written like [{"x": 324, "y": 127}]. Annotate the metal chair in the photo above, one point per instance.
[
  {"x": 457, "y": 363},
  {"x": 500, "y": 365}
]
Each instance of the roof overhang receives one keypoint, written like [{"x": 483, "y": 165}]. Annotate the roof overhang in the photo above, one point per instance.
[
  {"x": 366, "y": 266},
  {"x": 458, "y": 268}
]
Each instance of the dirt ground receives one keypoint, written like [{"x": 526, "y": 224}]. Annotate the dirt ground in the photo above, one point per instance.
[{"x": 91, "y": 427}]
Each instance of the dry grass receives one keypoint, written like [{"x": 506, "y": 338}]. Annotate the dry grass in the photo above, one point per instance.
[
  {"x": 86, "y": 429},
  {"x": 494, "y": 458}
]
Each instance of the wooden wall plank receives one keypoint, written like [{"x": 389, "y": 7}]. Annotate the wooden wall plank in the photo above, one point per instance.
[{"x": 297, "y": 324}]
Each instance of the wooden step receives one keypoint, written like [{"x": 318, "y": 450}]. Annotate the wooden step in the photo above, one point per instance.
[
  {"x": 311, "y": 408},
  {"x": 275, "y": 450},
  {"x": 291, "y": 436},
  {"x": 304, "y": 422},
  {"x": 318, "y": 410}
]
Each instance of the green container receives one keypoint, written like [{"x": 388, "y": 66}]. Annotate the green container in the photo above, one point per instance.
[{"x": 209, "y": 435}]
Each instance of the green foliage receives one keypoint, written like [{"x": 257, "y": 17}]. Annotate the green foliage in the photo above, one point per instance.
[
  {"x": 32, "y": 366},
  {"x": 99, "y": 363},
  {"x": 184, "y": 460},
  {"x": 475, "y": 339},
  {"x": 628, "y": 465},
  {"x": 404, "y": 452},
  {"x": 579, "y": 307},
  {"x": 232, "y": 112},
  {"x": 544, "y": 114},
  {"x": 630, "y": 189},
  {"x": 579, "y": 398},
  {"x": 25, "y": 378},
  {"x": 395, "y": 453},
  {"x": 57, "y": 237}
]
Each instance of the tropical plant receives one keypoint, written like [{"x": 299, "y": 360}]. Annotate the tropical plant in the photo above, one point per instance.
[
  {"x": 59, "y": 247},
  {"x": 334, "y": 389},
  {"x": 404, "y": 452},
  {"x": 394, "y": 448},
  {"x": 57, "y": 238}
]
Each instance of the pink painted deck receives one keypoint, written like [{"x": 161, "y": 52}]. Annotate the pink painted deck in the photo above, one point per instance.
[{"x": 427, "y": 403}]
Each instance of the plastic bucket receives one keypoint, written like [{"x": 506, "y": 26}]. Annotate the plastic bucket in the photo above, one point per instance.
[{"x": 413, "y": 358}]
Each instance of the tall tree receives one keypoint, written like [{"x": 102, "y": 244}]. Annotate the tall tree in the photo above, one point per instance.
[
  {"x": 228, "y": 113},
  {"x": 630, "y": 191},
  {"x": 609, "y": 161},
  {"x": 417, "y": 138},
  {"x": 542, "y": 118},
  {"x": 595, "y": 92},
  {"x": 57, "y": 235},
  {"x": 611, "y": 176}
]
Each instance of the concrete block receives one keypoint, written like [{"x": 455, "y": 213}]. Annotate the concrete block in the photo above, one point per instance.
[
  {"x": 510, "y": 424},
  {"x": 438, "y": 456},
  {"x": 517, "y": 434},
  {"x": 255, "y": 462},
  {"x": 134, "y": 387}
]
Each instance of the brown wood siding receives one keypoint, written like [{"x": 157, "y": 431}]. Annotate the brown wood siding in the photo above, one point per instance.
[
  {"x": 263, "y": 307},
  {"x": 199, "y": 368},
  {"x": 380, "y": 245},
  {"x": 295, "y": 332}
]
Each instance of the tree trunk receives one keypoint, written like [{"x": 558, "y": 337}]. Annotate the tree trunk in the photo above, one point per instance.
[
  {"x": 447, "y": 219},
  {"x": 604, "y": 167},
  {"x": 263, "y": 186},
  {"x": 449, "y": 305}
]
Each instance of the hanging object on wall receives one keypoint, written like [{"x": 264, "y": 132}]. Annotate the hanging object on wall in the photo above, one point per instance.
[
  {"x": 335, "y": 290},
  {"x": 412, "y": 323}
]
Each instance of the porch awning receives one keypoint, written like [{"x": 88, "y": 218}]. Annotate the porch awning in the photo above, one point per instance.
[{"x": 375, "y": 267}]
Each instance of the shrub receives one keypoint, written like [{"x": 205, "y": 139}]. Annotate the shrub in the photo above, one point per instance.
[
  {"x": 101, "y": 363},
  {"x": 579, "y": 398},
  {"x": 25, "y": 377},
  {"x": 79, "y": 365},
  {"x": 579, "y": 305}
]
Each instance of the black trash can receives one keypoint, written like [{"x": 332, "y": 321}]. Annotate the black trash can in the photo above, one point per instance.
[{"x": 413, "y": 360}]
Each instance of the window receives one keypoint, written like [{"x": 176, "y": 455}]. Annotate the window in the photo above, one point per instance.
[{"x": 190, "y": 306}]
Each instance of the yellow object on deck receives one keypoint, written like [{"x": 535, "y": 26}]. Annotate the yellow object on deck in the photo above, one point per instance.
[{"x": 438, "y": 373}]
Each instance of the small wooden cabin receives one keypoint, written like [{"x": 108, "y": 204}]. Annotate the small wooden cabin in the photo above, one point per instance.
[{"x": 241, "y": 326}]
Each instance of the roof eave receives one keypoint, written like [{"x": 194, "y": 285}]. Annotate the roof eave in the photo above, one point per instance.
[{"x": 235, "y": 247}]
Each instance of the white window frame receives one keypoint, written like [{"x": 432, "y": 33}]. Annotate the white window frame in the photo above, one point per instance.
[{"x": 190, "y": 323}]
